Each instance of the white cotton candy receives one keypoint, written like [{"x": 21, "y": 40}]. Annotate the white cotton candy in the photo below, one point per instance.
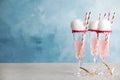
[
  {"x": 77, "y": 25},
  {"x": 104, "y": 25},
  {"x": 93, "y": 25}
]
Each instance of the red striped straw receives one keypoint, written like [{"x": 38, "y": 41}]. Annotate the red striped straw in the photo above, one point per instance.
[
  {"x": 104, "y": 15},
  {"x": 113, "y": 18},
  {"x": 86, "y": 16},
  {"x": 108, "y": 16},
  {"x": 99, "y": 16},
  {"x": 106, "y": 36},
  {"x": 97, "y": 35},
  {"x": 83, "y": 36},
  {"x": 83, "y": 40}
]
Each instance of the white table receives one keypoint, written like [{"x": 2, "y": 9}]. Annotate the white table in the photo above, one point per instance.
[{"x": 50, "y": 71}]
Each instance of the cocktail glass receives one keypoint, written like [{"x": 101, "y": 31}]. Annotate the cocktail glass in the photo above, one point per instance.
[
  {"x": 79, "y": 43},
  {"x": 94, "y": 46},
  {"x": 104, "y": 51}
]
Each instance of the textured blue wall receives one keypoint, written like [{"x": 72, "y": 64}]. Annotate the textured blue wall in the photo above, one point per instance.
[{"x": 39, "y": 30}]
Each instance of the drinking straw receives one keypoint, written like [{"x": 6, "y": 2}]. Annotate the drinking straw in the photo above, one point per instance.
[
  {"x": 99, "y": 16},
  {"x": 113, "y": 18},
  {"x": 83, "y": 41},
  {"x": 108, "y": 16},
  {"x": 88, "y": 17},
  {"x": 104, "y": 15}
]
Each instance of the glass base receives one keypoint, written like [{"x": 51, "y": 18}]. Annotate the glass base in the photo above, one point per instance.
[
  {"x": 105, "y": 72},
  {"x": 80, "y": 73},
  {"x": 84, "y": 72}
]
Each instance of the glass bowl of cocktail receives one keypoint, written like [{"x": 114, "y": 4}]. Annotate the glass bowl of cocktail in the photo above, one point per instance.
[
  {"x": 94, "y": 42},
  {"x": 79, "y": 32},
  {"x": 104, "y": 47}
]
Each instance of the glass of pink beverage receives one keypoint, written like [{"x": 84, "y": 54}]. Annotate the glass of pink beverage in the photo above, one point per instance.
[
  {"x": 104, "y": 52},
  {"x": 79, "y": 48},
  {"x": 94, "y": 45},
  {"x": 104, "y": 46},
  {"x": 79, "y": 43},
  {"x": 104, "y": 49}
]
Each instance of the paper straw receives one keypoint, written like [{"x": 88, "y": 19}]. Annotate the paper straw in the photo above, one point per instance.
[
  {"x": 104, "y": 15},
  {"x": 97, "y": 35},
  {"x": 108, "y": 16},
  {"x": 88, "y": 17},
  {"x": 99, "y": 16},
  {"x": 83, "y": 36},
  {"x": 83, "y": 39},
  {"x": 83, "y": 42},
  {"x": 106, "y": 37},
  {"x": 113, "y": 18}
]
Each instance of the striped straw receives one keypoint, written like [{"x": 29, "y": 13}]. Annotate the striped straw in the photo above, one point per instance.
[
  {"x": 83, "y": 43},
  {"x": 106, "y": 37},
  {"x": 104, "y": 15},
  {"x": 99, "y": 16},
  {"x": 88, "y": 17},
  {"x": 113, "y": 18},
  {"x": 97, "y": 35},
  {"x": 83, "y": 38},
  {"x": 108, "y": 16}
]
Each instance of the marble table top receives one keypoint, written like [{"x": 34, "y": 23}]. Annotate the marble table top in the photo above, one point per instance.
[{"x": 53, "y": 71}]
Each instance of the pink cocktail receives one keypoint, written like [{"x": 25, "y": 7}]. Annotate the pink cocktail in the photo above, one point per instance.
[
  {"x": 104, "y": 49},
  {"x": 80, "y": 49},
  {"x": 79, "y": 43},
  {"x": 94, "y": 45},
  {"x": 104, "y": 45}
]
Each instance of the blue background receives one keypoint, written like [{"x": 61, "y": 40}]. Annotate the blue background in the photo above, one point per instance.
[{"x": 39, "y": 30}]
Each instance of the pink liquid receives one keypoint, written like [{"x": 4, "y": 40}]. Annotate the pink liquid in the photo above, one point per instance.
[
  {"x": 79, "y": 48},
  {"x": 94, "y": 45},
  {"x": 104, "y": 49}
]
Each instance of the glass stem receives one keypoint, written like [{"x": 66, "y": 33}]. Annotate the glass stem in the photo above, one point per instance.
[
  {"x": 80, "y": 65},
  {"x": 103, "y": 60},
  {"x": 95, "y": 60}
]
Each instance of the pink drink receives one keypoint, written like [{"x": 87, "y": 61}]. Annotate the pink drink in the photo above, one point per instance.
[
  {"x": 104, "y": 49},
  {"x": 79, "y": 48},
  {"x": 94, "y": 45}
]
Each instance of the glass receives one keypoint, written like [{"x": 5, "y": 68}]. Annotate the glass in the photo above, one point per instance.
[
  {"x": 79, "y": 43},
  {"x": 94, "y": 46},
  {"x": 104, "y": 51}
]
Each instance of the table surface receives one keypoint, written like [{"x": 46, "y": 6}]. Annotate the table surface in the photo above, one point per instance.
[{"x": 52, "y": 71}]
